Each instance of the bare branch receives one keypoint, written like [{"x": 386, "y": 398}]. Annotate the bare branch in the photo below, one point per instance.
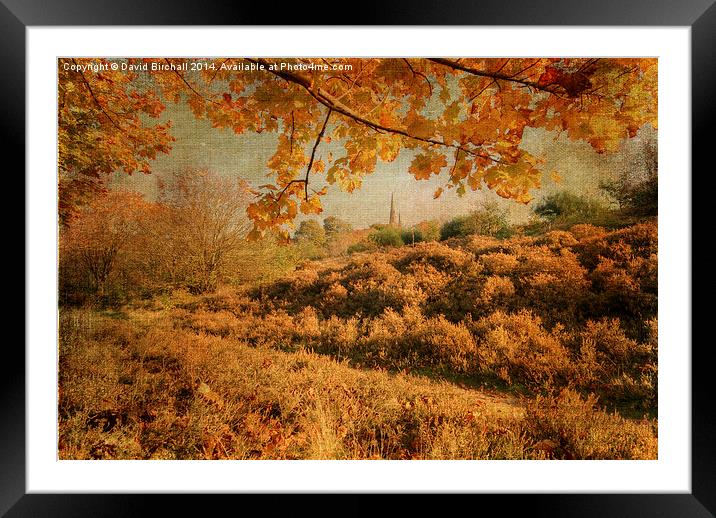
[
  {"x": 187, "y": 83},
  {"x": 313, "y": 151},
  {"x": 293, "y": 126},
  {"x": 304, "y": 181},
  {"x": 94, "y": 98}
]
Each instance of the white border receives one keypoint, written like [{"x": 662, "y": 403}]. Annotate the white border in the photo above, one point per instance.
[{"x": 671, "y": 473}]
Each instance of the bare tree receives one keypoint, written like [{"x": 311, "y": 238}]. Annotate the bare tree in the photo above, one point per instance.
[
  {"x": 208, "y": 222},
  {"x": 636, "y": 186}
]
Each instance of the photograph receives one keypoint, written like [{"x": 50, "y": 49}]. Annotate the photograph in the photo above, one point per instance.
[{"x": 357, "y": 258}]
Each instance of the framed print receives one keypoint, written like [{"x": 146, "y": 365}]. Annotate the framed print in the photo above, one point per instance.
[{"x": 418, "y": 259}]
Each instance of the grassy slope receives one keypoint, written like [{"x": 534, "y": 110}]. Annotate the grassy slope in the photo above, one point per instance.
[{"x": 231, "y": 376}]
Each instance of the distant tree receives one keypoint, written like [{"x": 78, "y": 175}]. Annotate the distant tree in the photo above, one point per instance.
[
  {"x": 311, "y": 239},
  {"x": 429, "y": 230},
  {"x": 95, "y": 243},
  {"x": 388, "y": 236},
  {"x": 637, "y": 190},
  {"x": 311, "y": 231},
  {"x": 208, "y": 222},
  {"x": 335, "y": 226},
  {"x": 488, "y": 220},
  {"x": 422, "y": 232},
  {"x": 567, "y": 207}
]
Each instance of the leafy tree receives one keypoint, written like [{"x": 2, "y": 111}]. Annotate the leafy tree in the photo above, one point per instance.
[
  {"x": 335, "y": 226},
  {"x": 103, "y": 127},
  {"x": 311, "y": 231},
  {"x": 311, "y": 239},
  {"x": 388, "y": 236},
  {"x": 422, "y": 232},
  {"x": 488, "y": 220},
  {"x": 567, "y": 207},
  {"x": 463, "y": 118}
]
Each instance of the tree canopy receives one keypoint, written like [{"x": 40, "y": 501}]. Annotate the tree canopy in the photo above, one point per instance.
[{"x": 462, "y": 118}]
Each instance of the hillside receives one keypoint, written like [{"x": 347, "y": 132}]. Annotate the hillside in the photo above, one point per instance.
[{"x": 478, "y": 348}]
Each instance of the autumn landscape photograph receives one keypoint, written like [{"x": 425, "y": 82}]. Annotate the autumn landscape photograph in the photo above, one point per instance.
[{"x": 357, "y": 258}]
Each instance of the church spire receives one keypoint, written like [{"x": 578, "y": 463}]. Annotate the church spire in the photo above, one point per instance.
[{"x": 392, "y": 221}]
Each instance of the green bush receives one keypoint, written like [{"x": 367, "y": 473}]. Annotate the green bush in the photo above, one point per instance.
[
  {"x": 423, "y": 232},
  {"x": 363, "y": 245},
  {"x": 488, "y": 220},
  {"x": 388, "y": 236},
  {"x": 311, "y": 231},
  {"x": 412, "y": 235},
  {"x": 567, "y": 207}
]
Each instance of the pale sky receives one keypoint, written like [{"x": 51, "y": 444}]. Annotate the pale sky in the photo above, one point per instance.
[{"x": 222, "y": 151}]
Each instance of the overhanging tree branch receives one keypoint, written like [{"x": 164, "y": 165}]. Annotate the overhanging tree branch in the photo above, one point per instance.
[
  {"x": 304, "y": 181},
  {"x": 187, "y": 83},
  {"x": 420, "y": 74},
  {"x": 332, "y": 104},
  {"x": 313, "y": 151},
  {"x": 96, "y": 101},
  {"x": 494, "y": 75}
]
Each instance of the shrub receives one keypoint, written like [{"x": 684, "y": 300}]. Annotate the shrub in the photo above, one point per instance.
[
  {"x": 364, "y": 245},
  {"x": 570, "y": 427},
  {"x": 499, "y": 263},
  {"x": 583, "y": 231},
  {"x": 517, "y": 349},
  {"x": 421, "y": 341},
  {"x": 556, "y": 239},
  {"x": 483, "y": 244},
  {"x": 489, "y": 220},
  {"x": 566, "y": 207},
  {"x": 497, "y": 291},
  {"x": 615, "y": 366},
  {"x": 461, "y": 296},
  {"x": 552, "y": 282},
  {"x": 374, "y": 285},
  {"x": 388, "y": 236},
  {"x": 443, "y": 258}
]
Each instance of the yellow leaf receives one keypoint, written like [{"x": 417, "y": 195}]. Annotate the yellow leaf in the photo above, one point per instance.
[
  {"x": 319, "y": 166},
  {"x": 426, "y": 164},
  {"x": 312, "y": 206}
]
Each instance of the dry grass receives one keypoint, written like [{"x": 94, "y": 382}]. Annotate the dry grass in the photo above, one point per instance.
[
  {"x": 141, "y": 389},
  {"x": 384, "y": 355}
]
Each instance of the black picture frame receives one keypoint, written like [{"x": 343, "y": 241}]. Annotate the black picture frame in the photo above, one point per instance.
[{"x": 700, "y": 15}]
